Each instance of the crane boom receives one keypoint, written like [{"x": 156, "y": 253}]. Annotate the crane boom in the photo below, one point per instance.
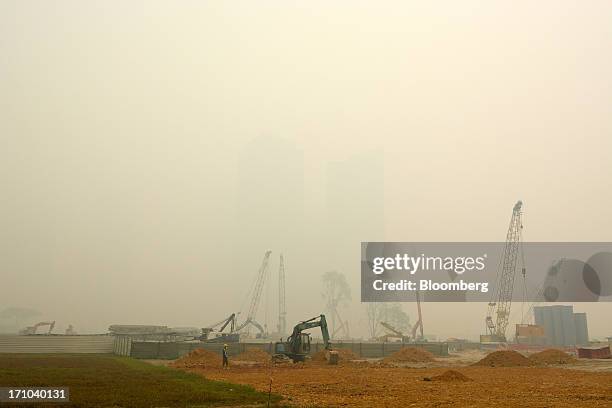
[
  {"x": 392, "y": 329},
  {"x": 419, "y": 324},
  {"x": 499, "y": 308},
  {"x": 259, "y": 284},
  {"x": 282, "y": 311},
  {"x": 231, "y": 319},
  {"x": 343, "y": 327}
]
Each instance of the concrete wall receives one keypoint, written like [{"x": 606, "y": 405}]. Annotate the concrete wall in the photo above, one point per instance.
[
  {"x": 172, "y": 350},
  {"x": 56, "y": 344}
]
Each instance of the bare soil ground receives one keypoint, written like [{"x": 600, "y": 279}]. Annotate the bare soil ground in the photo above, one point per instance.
[{"x": 371, "y": 384}]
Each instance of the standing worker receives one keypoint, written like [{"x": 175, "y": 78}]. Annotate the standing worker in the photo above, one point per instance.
[{"x": 225, "y": 361}]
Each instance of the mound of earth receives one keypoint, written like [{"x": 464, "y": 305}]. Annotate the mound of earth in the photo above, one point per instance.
[
  {"x": 552, "y": 356},
  {"x": 450, "y": 376},
  {"x": 253, "y": 354},
  {"x": 198, "y": 358},
  {"x": 343, "y": 355},
  {"x": 505, "y": 358},
  {"x": 410, "y": 355}
]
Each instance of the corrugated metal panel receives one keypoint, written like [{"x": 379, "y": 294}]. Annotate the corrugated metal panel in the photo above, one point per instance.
[
  {"x": 172, "y": 350},
  {"x": 122, "y": 345},
  {"x": 56, "y": 344},
  {"x": 562, "y": 326},
  {"x": 582, "y": 331},
  {"x": 594, "y": 352}
]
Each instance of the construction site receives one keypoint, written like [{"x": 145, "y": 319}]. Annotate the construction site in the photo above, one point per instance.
[
  {"x": 530, "y": 367},
  {"x": 305, "y": 204},
  {"x": 316, "y": 362}
]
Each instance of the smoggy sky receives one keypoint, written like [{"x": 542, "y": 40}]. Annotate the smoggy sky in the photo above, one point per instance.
[{"x": 152, "y": 151}]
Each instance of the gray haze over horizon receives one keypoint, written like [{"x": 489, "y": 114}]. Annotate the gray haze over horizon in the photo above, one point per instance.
[{"x": 151, "y": 152}]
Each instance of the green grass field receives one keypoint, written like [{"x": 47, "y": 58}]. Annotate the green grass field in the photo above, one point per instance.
[{"x": 111, "y": 381}]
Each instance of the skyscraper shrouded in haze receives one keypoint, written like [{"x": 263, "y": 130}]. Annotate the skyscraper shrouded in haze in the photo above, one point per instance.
[{"x": 355, "y": 206}]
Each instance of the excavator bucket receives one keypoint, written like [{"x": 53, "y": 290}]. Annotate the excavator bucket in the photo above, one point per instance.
[{"x": 334, "y": 357}]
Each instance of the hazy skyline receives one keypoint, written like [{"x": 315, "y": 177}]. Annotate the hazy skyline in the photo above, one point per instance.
[{"x": 124, "y": 128}]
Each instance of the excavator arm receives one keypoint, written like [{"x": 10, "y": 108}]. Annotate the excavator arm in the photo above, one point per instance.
[
  {"x": 318, "y": 321},
  {"x": 229, "y": 320}
]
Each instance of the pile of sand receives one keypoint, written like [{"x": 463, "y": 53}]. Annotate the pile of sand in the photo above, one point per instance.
[
  {"x": 253, "y": 354},
  {"x": 198, "y": 358},
  {"x": 343, "y": 355},
  {"x": 505, "y": 358},
  {"x": 410, "y": 355},
  {"x": 450, "y": 376},
  {"x": 552, "y": 356}
]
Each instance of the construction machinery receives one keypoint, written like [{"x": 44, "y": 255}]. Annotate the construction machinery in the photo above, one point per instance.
[
  {"x": 498, "y": 313},
  {"x": 31, "y": 330},
  {"x": 297, "y": 345},
  {"x": 341, "y": 330},
  {"x": 419, "y": 323},
  {"x": 393, "y": 334},
  {"x": 282, "y": 310},
  {"x": 211, "y": 335},
  {"x": 398, "y": 334},
  {"x": 530, "y": 334},
  {"x": 138, "y": 332},
  {"x": 257, "y": 289},
  {"x": 336, "y": 292}
]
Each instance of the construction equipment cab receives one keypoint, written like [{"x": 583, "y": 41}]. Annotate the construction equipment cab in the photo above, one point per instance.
[{"x": 297, "y": 346}]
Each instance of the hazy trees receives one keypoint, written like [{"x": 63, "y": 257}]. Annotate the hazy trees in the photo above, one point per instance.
[
  {"x": 336, "y": 293},
  {"x": 391, "y": 313}
]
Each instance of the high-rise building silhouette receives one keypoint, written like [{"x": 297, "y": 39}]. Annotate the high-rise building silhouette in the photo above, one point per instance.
[{"x": 355, "y": 206}]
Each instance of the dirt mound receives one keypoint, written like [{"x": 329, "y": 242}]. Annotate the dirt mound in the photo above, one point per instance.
[
  {"x": 253, "y": 354},
  {"x": 343, "y": 355},
  {"x": 552, "y": 356},
  {"x": 198, "y": 358},
  {"x": 319, "y": 356},
  {"x": 449, "y": 376},
  {"x": 505, "y": 358},
  {"x": 410, "y": 355}
]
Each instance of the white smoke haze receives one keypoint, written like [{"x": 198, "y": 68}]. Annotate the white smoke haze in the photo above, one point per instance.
[{"x": 150, "y": 153}]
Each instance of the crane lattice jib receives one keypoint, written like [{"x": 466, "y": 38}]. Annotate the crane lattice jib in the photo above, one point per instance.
[
  {"x": 261, "y": 280},
  {"x": 500, "y": 310},
  {"x": 282, "y": 311}
]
